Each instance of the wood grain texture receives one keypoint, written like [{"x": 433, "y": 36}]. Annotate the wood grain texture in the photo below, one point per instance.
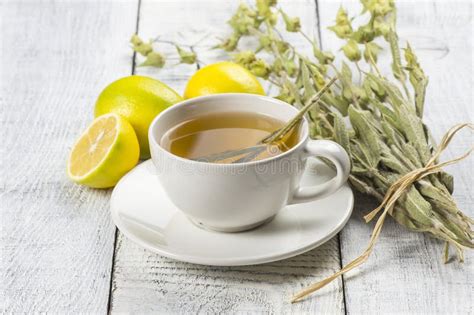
[
  {"x": 56, "y": 237},
  {"x": 405, "y": 274},
  {"x": 144, "y": 282}
]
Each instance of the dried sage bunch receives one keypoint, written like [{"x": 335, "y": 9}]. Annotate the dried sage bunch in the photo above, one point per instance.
[{"x": 377, "y": 119}]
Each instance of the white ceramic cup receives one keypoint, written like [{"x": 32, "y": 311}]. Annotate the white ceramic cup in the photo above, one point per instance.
[{"x": 240, "y": 196}]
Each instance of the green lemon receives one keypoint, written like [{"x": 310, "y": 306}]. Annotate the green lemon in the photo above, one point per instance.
[{"x": 138, "y": 99}]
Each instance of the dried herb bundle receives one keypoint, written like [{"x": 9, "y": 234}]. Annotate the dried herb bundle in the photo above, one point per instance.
[{"x": 377, "y": 119}]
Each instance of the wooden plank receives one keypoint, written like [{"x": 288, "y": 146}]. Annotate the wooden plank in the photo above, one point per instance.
[
  {"x": 405, "y": 273},
  {"x": 144, "y": 282},
  {"x": 57, "y": 238}
]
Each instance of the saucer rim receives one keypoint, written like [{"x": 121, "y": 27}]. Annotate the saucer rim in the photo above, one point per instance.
[{"x": 230, "y": 261}]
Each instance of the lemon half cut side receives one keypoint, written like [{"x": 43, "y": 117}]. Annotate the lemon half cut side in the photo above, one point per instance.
[{"x": 104, "y": 152}]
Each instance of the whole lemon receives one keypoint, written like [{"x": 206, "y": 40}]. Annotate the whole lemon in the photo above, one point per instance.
[
  {"x": 139, "y": 100},
  {"x": 222, "y": 77}
]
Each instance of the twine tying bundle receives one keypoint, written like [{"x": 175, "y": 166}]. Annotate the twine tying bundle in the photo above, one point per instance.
[{"x": 394, "y": 192}]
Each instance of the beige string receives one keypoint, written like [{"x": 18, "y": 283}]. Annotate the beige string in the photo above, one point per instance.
[{"x": 393, "y": 193}]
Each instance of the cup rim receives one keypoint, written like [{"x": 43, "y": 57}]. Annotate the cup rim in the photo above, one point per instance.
[{"x": 153, "y": 141}]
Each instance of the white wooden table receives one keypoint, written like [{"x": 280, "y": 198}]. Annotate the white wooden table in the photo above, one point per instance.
[{"x": 60, "y": 251}]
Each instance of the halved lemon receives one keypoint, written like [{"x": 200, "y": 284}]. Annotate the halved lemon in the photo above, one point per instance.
[{"x": 104, "y": 153}]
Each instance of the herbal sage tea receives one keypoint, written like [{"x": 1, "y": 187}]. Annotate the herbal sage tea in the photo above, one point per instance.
[{"x": 213, "y": 134}]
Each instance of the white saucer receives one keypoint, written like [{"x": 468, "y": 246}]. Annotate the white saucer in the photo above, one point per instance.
[{"x": 143, "y": 212}]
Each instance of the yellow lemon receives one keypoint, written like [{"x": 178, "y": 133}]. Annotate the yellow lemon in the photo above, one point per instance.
[
  {"x": 222, "y": 77},
  {"x": 139, "y": 99},
  {"x": 104, "y": 153}
]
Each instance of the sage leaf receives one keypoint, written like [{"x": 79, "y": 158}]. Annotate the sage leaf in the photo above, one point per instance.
[
  {"x": 308, "y": 86},
  {"x": 388, "y": 115},
  {"x": 447, "y": 180},
  {"x": 452, "y": 227},
  {"x": 346, "y": 73},
  {"x": 339, "y": 102},
  {"x": 395, "y": 97},
  {"x": 392, "y": 135},
  {"x": 410, "y": 153},
  {"x": 340, "y": 133},
  {"x": 442, "y": 199},
  {"x": 371, "y": 51},
  {"x": 414, "y": 132},
  {"x": 360, "y": 185},
  {"x": 417, "y": 78},
  {"x": 367, "y": 133},
  {"x": 418, "y": 208},
  {"x": 357, "y": 169},
  {"x": 400, "y": 155},
  {"x": 393, "y": 164},
  {"x": 397, "y": 69},
  {"x": 402, "y": 217}
]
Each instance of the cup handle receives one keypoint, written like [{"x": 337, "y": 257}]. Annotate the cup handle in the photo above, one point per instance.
[{"x": 337, "y": 155}]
